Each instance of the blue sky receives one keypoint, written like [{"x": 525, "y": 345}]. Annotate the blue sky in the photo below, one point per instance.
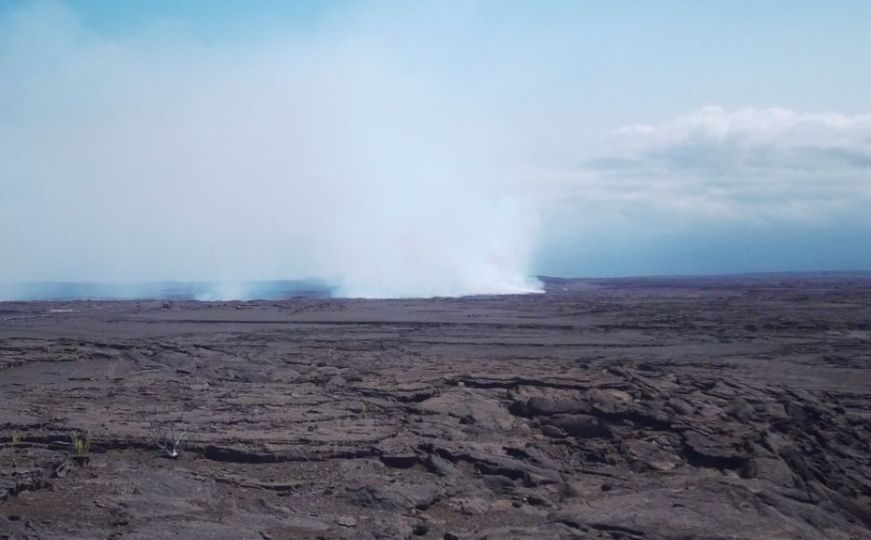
[{"x": 437, "y": 145}]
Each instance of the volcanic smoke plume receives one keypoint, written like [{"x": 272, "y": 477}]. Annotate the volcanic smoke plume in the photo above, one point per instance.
[{"x": 156, "y": 156}]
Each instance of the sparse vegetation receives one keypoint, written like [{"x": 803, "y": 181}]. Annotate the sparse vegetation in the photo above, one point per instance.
[{"x": 81, "y": 446}]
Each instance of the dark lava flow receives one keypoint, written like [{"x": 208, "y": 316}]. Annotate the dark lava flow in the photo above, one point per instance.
[{"x": 630, "y": 409}]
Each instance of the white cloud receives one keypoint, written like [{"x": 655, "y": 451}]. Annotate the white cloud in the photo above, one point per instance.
[
  {"x": 745, "y": 164},
  {"x": 752, "y": 126}
]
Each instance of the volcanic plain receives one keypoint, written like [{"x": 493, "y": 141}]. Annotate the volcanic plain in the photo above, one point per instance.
[{"x": 604, "y": 409}]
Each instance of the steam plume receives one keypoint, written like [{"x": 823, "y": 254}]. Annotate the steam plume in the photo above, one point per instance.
[{"x": 157, "y": 156}]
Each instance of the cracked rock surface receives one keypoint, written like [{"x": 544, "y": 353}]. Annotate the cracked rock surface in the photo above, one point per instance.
[{"x": 617, "y": 409}]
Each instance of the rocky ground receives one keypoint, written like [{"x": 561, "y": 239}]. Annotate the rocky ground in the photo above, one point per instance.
[{"x": 707, "y": 408}]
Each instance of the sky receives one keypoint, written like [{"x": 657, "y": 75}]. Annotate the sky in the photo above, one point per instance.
[{"x": 432, "y": 148}]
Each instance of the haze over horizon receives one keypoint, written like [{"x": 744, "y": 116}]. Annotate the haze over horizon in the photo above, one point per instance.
[{"x": 431, "y": 149}]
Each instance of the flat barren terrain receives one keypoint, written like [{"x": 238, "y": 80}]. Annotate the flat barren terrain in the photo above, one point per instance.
[{"x": 630, "y": 409}]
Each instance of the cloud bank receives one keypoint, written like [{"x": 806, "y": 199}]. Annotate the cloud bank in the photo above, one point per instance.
[
  {"x": 769, "y": 164},
  {"x": 714, "y": 191}
]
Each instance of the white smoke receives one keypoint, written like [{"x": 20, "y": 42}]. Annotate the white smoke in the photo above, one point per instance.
[{"x": 332, "y": 153}]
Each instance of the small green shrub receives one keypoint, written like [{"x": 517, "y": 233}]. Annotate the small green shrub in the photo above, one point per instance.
[{"x": 81, "y": 444}]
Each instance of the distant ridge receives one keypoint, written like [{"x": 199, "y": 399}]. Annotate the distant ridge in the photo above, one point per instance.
[
  {"x": 315, "y": 288},
  {"x": 165, "y": 290},
  {"x": 735, "y": 275},
  {"x": 758, "y": 280}
]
